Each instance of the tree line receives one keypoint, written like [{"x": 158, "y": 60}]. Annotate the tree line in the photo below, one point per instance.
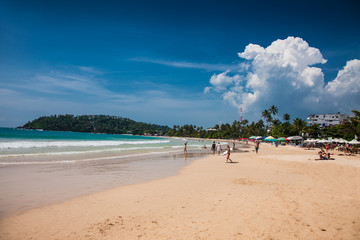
[{"x": 272, "y": 127}]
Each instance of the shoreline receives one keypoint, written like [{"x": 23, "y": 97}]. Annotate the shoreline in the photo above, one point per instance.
[
  {"x": 45, "y": 182},
  {"x": 281, "y": 193}
]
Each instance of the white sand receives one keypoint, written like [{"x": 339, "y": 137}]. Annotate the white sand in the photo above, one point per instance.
[{"x": 280, "y": 193}]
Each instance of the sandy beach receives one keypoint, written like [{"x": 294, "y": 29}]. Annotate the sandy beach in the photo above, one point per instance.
[{"x": 280, "y": 193}]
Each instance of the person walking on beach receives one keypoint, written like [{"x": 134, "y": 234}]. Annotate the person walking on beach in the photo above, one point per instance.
[
  {"x": 218, "y": 148},
  {"x": 185, "y": 148},
  {"x": 257, "y": 146},
  {"x": 213, "y": 146},
  {"x": 228, "y": 154}
]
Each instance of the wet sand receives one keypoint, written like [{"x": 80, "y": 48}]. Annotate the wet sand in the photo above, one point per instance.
[
  {"x": 24, "y": 187},
  {"x": 280, "y": 193}
]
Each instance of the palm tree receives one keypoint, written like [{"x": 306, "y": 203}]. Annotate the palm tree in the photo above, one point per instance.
[
  {"x": 276, "y": 122},
  {"x": 356, "y": 117},
  {"x": 286, "y": 117},
  {"x": 299, "y": 124},
  {"x": 352, "y": 127},
  {"x": 244, "y": 122},
  {"x": 267, "y": 116},
  {"x": 260, "y": 124},
  {"x": 252, "y": 129},
  {"x": 273, "y": 110}
]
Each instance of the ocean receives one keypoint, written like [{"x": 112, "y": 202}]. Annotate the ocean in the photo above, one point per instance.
[{"x": 39, "y": 168}]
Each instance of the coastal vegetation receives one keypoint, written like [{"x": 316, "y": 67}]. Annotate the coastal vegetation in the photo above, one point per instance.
[
  {"x": 270, "y": 126},
  {"x": 95, "y": 124}
]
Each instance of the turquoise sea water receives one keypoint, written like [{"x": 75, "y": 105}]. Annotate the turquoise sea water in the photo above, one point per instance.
[
  {"x": 38, "y": 168},
  {"x": 14, "y": 133},
  {"x": 22, "y": 146}
]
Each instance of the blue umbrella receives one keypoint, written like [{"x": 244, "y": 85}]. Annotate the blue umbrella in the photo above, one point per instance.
[{"x": 271, "y": 140}]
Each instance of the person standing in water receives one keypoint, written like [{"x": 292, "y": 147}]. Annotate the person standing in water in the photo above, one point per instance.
[
  {"x": 218, "y": 148},
  {"x": 213, "y": 146},
  {"x": 228, "y": 154},
  {"x": 185, "y": 148}
]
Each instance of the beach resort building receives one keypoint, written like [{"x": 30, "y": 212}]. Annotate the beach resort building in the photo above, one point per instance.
[
  {"x": 211, "y": 129},
  {"x": 326, "y": 120}
]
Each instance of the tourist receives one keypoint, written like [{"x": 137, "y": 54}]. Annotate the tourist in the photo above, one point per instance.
[
  {"x": 257, "y": 143},
  {"x": 218, "y": 148},
  {"x": 228, "y": 154},
  {"x": 213, "y": 146}
]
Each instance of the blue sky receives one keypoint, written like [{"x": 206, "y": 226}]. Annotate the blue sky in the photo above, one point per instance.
[{"x": 178, "y": 62}]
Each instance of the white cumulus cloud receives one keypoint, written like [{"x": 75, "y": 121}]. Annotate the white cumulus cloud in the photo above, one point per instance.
[
  {"x": 283, "y": 74},
  {"x": 223, "y": 80},
  {"x": 347, "y": 80}
]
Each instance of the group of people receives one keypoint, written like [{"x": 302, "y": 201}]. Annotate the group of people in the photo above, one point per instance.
[
  {"x": 216, "y": 148},
  {"x": 323, "y": 155},
  {"x": 350, "y": 150}
]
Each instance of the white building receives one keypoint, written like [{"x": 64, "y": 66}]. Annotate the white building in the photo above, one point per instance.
[
  {"x": 326, "y": 120},
  {"x": 211, "y": 129}
]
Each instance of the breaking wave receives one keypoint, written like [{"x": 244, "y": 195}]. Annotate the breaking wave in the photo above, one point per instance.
[{"x": 46, "y": 144}]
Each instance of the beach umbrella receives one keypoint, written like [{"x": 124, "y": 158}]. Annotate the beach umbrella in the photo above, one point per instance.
[
  {"x": 271, "y": 140},
  {"x": 283, "y": 139},
  {"x": 252, "y": 137},
  {"x": 295, "y": 138},
  {"x": 310, "y": 140},
  {"x": 354, "y": 141},
  {"x": 269, "y": 137},
  {"x": 258, "y": 138},
  {"x": 243, "y": 139}
]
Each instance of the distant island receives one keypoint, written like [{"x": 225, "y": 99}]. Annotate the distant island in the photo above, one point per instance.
[{"x": 95, "y": 124}]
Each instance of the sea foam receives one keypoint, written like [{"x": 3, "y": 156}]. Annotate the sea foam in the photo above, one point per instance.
[{"x": 43, "y": 144}]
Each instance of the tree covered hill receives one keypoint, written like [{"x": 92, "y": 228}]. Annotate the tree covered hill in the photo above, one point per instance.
[{"x": 95, "y": 124}]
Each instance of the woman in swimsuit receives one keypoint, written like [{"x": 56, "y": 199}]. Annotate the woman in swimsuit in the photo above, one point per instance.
[{"x": 228, "y": 154}]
